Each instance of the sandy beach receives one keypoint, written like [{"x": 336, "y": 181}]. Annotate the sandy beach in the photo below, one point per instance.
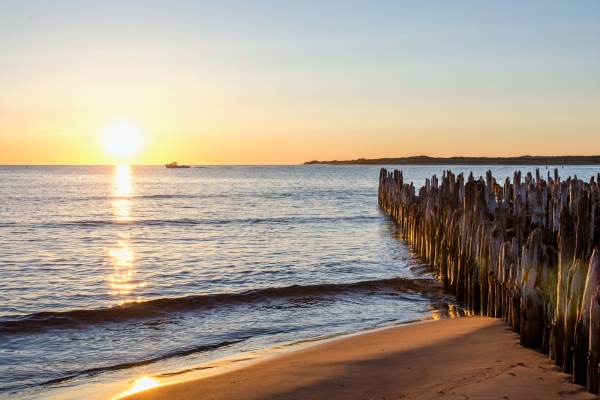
[{"x": 470, "y": 357}]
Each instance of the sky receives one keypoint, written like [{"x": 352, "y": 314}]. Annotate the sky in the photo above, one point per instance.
[{"x": 284, "y": 82}]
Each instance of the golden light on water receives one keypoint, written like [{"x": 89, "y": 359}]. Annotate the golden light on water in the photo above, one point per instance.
[
  {"x": 122, "y": 210},
  {"x": 122, "y": 189},
  {"x": 122, "y": 140},
  {"x": 122, "y": 181},
  {"x": 123, "y": 256},
  {"x": 141, "y": 384},
  {"x": 122, "y": 282}
]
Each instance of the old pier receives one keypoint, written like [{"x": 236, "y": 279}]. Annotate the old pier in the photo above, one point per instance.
[{"x": 526, "y": 251}]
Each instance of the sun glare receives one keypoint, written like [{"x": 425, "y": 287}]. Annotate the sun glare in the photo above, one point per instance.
[
  {"x": 122, "y": 140},
  {"x": 140, "y": 385}
]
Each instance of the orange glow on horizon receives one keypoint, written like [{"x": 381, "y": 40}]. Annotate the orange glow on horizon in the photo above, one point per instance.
[{"x": 225, "y": 146}]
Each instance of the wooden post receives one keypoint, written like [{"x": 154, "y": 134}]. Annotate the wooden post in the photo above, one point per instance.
[
  {"x": 521, "y": 251},
  {"x": 594, "y": 343}
]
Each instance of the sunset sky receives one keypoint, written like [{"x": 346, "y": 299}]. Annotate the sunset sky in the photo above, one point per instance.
[{"x": 282, "y": 82}]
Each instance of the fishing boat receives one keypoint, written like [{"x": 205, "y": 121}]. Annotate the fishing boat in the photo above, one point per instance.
[{"x": 174, "y": 165}]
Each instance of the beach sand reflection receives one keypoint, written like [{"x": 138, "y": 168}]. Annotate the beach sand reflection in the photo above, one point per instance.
[
  {"x": 140, "y": 385},
  {"x": 122, "y": 281}
]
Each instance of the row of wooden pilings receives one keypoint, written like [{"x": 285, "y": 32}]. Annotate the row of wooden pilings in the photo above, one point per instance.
[{"x": 526, "y": 251}]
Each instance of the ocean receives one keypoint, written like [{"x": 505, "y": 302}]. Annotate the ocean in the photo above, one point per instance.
[{"x": 109, "y": 273}]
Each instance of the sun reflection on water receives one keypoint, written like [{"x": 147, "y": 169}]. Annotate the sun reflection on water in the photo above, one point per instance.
[
  {"x": 122, "y": 282},
  {"x": 122, "y": 189}
]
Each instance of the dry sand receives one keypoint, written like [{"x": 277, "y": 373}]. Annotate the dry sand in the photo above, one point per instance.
[{"x": 458, "y": 358}]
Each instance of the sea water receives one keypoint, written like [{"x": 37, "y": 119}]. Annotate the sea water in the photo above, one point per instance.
[{"x": 113, "y": 272}]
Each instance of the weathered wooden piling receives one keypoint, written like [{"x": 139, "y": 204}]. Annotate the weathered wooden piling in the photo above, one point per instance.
[{"x": 526, "y": 251}]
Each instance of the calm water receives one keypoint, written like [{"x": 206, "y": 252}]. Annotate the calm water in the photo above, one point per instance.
[{"x": 112, "y": 272}]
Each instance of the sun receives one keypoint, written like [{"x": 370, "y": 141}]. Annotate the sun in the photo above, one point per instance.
[{"x": 122, "y": 140}]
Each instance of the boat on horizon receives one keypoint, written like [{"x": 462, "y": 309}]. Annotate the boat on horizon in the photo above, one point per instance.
[{"x": 174, "y": 165}]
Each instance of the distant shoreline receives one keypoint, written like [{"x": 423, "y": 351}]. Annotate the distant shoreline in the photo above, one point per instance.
[{"x": 425, "y": 160}]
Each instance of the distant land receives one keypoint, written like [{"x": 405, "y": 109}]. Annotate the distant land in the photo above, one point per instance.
[{"x": 425, "y": 160}]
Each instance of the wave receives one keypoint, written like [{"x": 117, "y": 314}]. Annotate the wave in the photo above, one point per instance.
[
  {"x": 199, "y": 196},
  {"x": 166, "y": 307},
  {"x": 194, "y": 222},
  {"x": 117, "y": 367}
]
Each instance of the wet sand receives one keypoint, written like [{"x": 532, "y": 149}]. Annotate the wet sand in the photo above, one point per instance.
[{"x": 457, "y": 358}]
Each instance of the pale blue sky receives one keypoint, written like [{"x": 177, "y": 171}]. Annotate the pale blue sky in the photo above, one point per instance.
[{"x": 303, "y": 80}]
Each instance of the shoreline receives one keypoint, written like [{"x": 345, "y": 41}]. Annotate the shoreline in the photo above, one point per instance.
[
  {"x": 248, "y": 359},
  {"x": 449, "y": 357},
  {"x": 121, "y": 388},
  {"x": 470, "y": 161}
]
